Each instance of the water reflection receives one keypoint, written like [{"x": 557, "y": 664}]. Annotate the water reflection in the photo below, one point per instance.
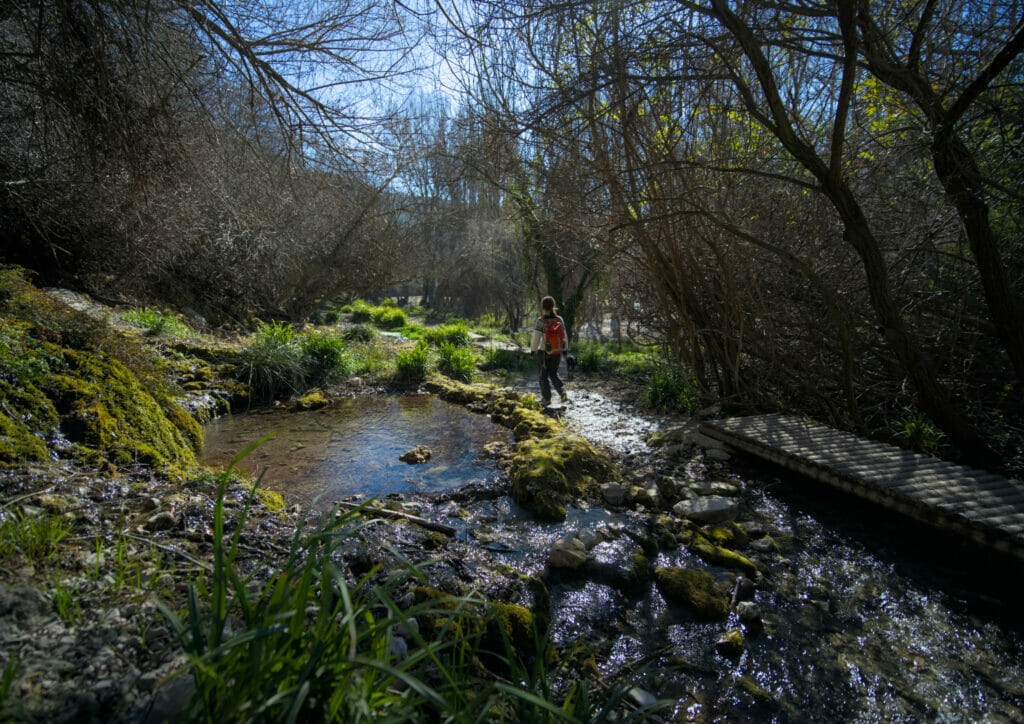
[{"x": 354, "y": 446}]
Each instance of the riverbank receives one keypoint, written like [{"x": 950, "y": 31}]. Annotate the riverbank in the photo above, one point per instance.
[{"x": 679, "y": 574}]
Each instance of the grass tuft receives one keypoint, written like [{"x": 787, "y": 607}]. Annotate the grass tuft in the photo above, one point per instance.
[{"x": 458, "y": 362}]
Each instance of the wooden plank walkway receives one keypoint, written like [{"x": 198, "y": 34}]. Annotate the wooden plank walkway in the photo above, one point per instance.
[{"x": 985, "y": 507}]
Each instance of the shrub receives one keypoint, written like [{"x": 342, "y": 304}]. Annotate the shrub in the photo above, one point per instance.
[
  {"x": 455, "y": 333},
  {"x": 670, "y": 391},
  {"x": 324, "y": 356},
  {"x": 505, "y": 359},
  {"x": 332, "y": 316},
  {"x": 389, "y": 318},
  {"x": 156, "y": 322},
  {"x": 411, "y": 365},
  {"x": 455, "y": 361},
  {"x": 359, "y": 333},
  {"x": 361, "y": 311},
  {"x": 272, "y": 363}
]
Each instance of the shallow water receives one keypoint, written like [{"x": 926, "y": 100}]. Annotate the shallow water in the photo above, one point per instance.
[
  {"x": 867, "y": 616},
  {"x": 353, "y": 447}
]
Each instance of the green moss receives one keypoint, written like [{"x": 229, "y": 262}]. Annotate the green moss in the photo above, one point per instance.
[
  {"x": 548, "y": 473},
  {"x": 728, "y": 535},
  {"x": 271, "y": 500},
  {"x": 512, "y": 623},
  {"x": 716, "y": 555},
  {"x": 103, "y": 406},
  {"x": 17, "y": 444},
  {"x": 312, "y": 400},
  {"x": 747, "y": 684},
  {"x": 694, "y": 589}
]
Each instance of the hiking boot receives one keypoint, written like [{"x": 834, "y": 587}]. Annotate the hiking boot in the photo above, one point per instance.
[{"x": 564, "y": 395}]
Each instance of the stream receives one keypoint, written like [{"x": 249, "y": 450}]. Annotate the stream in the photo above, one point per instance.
[{"x": 866, "y": 617}]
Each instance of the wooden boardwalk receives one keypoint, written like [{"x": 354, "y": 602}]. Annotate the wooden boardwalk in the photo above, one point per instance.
[{"x": 982, "y": 506}]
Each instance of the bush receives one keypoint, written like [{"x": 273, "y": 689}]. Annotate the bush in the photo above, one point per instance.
[
  {"x": 156, "y": 322},
  {"x": 324, "y": 356},
  {"x": 411, "y": 365},
  {"x": 454, "y": 333},
  {"x": 272, "y": 363},
  {"x": 505, "y": 359},
  {"x": 670, "y": 391},
  {"x": 360, "y": 333},
  {"x": 457, "y": 362},
  {"x": 389, "y": 318},
  {"x": 332, "y": 316},
  {"x": 361, "y": 311}
]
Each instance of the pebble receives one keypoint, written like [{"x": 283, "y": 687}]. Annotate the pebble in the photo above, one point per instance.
[
  {"x": 164, "y": 520},
  {"x": 569, "y": 552},
  {"x": 641, "y": 697}
]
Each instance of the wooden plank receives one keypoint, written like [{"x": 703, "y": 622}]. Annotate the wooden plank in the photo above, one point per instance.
[{"x": 983, "y": 506}]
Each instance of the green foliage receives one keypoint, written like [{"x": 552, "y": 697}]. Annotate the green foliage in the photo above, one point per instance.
[
  {"x": 156, "y": 322},
  {"x": 359, "y": 333},
  {"x": 919, "y": 432},
  {"x": 324, "y": 356},
  {"x": 389, "y": 317},
  {"x": 332, "y": 316},
  {"x": 412, "y": 364},
  {"x": 35, "y": 537},
  {"x": 272, "y": 363},
  {"x": 669, "y": 390},
  {"x": 455, "y": 333},
  {"x": 456, "y": 361},
  {"x": 313, "y": 645},
  {"x": 360, "y": 310},
  {"x": 506, "y": 359}
]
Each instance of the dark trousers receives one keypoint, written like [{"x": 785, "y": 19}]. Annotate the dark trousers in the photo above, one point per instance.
[{"x": 547, "y": 366}]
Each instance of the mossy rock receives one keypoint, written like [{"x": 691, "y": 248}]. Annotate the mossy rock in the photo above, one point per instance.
[
  {"x": 548, "y": 473},
  {"x": 514, "y": 624},
  {"x": 727, "y": 535},
  {"x": 719, "y": 556},
  {"x": 696, "y": 590},
  {"x": 312, "y": 400},
  {"x": 103, "y": 406},
  {"x": 271, "y": 500},
  {"x": 26, "y": 415}
]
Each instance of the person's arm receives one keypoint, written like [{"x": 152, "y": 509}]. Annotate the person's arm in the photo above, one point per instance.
[
  {"x": 536, "y": 341},
  {"x": 565, "y": 340}
]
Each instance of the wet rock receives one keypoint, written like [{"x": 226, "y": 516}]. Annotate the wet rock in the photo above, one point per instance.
[
  {"x": 399, "y": 648},
  {"x": 569, "y": 552},
  {"x": 716, "y": 487},
  {"x": 171, "y": 698},
  {"x": 744, "y": 590},
  {"x": 312, "y": 400},
  {"x": 715, "y": 453},
  {"x": 763, "y": 545},
  {"x": 418, "y": 455},
  {"x": 649, "y": 496},
  {"x": 693, "y": 589},
  {"x": 613, "y": 493},
  {"x": 641, "y": 697},
  {"x": 164, "y": 520},
  {"x": 590, "y": 538},
  {"x": 22, "y": 603},
  {"x": 731, "y": 644},
  {"x": 498, "y": 450},
  {"x": 711, "y": 509},
  {"x": 749, "y": 612}
]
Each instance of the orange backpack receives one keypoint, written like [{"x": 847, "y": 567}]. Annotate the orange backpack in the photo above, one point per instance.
[{"x": 553, "y": 333}]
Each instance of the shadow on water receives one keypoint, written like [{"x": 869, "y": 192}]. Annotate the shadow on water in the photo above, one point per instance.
[{"x": 353, "y": 447}]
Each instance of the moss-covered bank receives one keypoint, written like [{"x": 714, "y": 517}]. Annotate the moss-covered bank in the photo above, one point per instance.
[{"x": 552, "y": 466}]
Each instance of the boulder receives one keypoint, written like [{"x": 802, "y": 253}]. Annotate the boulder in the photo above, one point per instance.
[
  {"x": 731, "y": 644},
  {"x": 712, "y": 509},
  {"x": 749, "y": 613},
  {"x": 613, "y": 493},
  {"x": 569, "y": 552},
  {"x": 418, "y": 455},
  {"x": 693, "y": 589}
]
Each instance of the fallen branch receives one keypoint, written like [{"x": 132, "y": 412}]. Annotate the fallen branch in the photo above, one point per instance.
[{"x": 385, "y": 513}]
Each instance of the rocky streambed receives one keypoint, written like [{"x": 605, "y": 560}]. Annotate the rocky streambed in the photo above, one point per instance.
[{"x": 719, "y": 587}]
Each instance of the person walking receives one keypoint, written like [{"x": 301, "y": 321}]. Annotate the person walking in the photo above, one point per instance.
[{"x": 549, "y": 343}]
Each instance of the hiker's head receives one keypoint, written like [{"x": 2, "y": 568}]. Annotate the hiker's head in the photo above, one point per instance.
[{"x": 547, "y": 304}]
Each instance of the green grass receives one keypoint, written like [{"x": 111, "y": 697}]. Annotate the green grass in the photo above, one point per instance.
[
  {"x": 359, "y": 310},
  {"x": 156, "y": 322},
  {"x": 919, "y": 432},
  {"x": 458, "y": 362},
  {"x": 35, "y": 537},
  {"x": 389, "y": 317},
  {"x": 359, "y": 333},
  {"x": 671, "y": 391},
  {"x": 411, "y": 365},
  {"x": 506, "y": 359},
  {"x": 324, "y": 356},
  {"x": 313, "y": 644}
]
